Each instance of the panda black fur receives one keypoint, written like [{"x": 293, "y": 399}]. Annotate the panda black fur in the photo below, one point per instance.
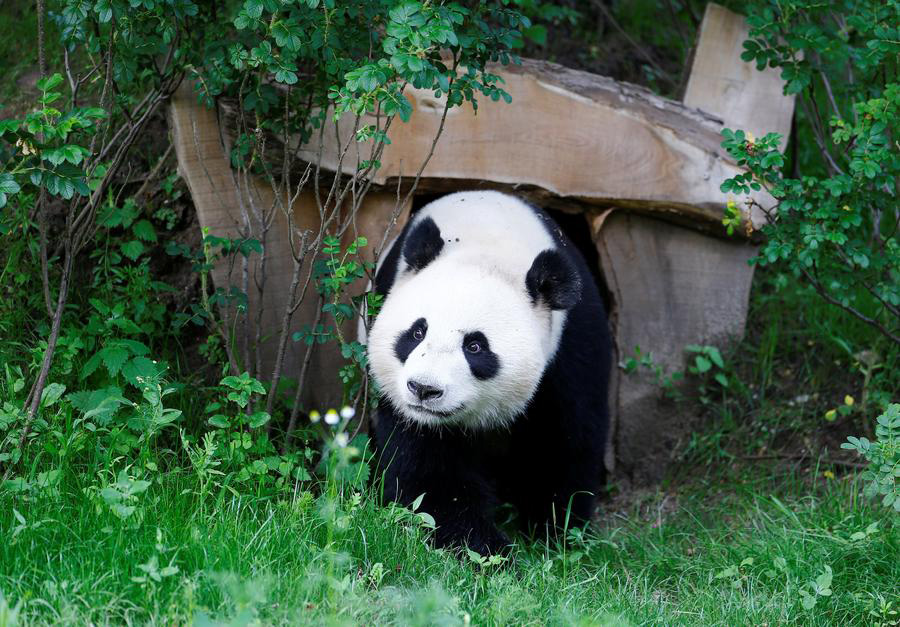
[{"x": 492, "y": 353}]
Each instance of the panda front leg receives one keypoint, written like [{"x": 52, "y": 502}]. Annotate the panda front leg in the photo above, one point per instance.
[
  {"x": 558, "y": 472},
  {"x": 415, "y": 460}
]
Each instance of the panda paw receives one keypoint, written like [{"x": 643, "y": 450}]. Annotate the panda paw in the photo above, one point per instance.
[
  {"x": 494, "y": 543},
  {"x": 486, "y": 540}
]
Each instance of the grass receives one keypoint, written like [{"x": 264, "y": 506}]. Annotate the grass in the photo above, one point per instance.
[
  {"x": 726, "y": 549},
  {"x": 759, "y": 506}
]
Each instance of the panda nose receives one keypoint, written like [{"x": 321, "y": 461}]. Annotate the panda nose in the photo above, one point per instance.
[{"x": 422, "y": 391}]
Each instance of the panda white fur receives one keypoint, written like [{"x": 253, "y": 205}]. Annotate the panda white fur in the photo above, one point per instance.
[{"x": 492, "y": 354}]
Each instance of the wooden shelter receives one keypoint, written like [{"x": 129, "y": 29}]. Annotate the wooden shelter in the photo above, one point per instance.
[{"x": 643, "y": 172}]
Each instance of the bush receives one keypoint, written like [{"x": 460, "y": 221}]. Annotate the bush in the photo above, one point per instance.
[
  {"x": 835, "y": 222},
  {"x": 883, "y": 456}
]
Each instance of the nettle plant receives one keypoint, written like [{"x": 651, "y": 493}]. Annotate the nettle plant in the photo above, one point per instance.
[{"x": 835, "y": 223}]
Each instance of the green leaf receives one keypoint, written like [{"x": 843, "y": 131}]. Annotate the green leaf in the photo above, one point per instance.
[
  {"x": 104, "y": 11},
  {"x": 219, "y": 420},
  {"x": 8, "y": 185},
  {"x": 140, "y": 369},
  {"x": 90, "y": 366},
  {"x": 90, "y": 400},
  {"x": 254, "y": 8},
  {"x": 286, "y": 76},
  {"x": 258, "y": 419},
  {"x": 9, "y": 125},
  {"x": 48, "y": 83},
  {"x": 132, "y": 249},
  {"x": 114, "y": 357},
  {"x": 135, "y": 347},
  {"x": 702, "y": 363},
  {"x": 405, "y": 12},
  {"x": 144, "y": 230},
  {"x": 51, "y": 394}
]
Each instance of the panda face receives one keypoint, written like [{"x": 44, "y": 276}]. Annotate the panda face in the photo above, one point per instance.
[{"x": 460, "y": 345}]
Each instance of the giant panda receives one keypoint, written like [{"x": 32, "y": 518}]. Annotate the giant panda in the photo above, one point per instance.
[{"x": 492, "y": 353}]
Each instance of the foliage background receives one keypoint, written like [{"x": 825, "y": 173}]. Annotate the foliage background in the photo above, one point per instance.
[{"x": 150, "y": 479}]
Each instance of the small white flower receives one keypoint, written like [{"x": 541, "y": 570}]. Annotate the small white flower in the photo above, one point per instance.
[
  {"x": 331, "y": 417},
  {"x": 314, "y": 416},
  {"x": 347, "y": 412},
  {"x": 341, "y": 439}
]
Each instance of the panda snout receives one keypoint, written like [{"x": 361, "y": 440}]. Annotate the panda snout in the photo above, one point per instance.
[{"x": 423, "y": 391}]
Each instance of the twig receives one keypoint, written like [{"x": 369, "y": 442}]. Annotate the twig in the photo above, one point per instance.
[
  {"x": 283, "y": 335},
  {"x": 852, "y": 311},
  {"x": 801, "y": 457},
  {"x": 38, "y": 388},
  {"x": 154, "y": 172},
  {"x": 818, "y": 135},
  {"x": 301, "y": 380},
  {"x": 612, "y": 20}
]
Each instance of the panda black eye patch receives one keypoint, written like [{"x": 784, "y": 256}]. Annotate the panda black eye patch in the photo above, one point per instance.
[
  {"x": 409, "y": 339},
  {"x": 483, "y": 363}
]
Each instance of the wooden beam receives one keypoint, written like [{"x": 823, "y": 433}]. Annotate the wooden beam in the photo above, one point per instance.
[{"x": 570, "y": 136}]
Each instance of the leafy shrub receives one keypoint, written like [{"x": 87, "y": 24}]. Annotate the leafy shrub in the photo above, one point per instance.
[
  {"x": 883, "y": 456},
  {"x": 835, "y": 222},
  {"x": 101, "y": 363}
]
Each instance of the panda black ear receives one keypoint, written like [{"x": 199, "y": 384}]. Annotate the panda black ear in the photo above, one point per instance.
[
  {"x": 553, "y": 280},
  {"x": 423, "y": 244}
]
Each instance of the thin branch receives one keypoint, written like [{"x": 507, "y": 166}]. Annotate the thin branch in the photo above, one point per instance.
[
  {"x": 42, "y": 52},
  {"x": 154, "y": 172},
  {"x": 284, "y": 333},
  {"x": 41, "y": 381},
  {"x": 640, "y": 49},
  {"x": 818, "y": 135},
  {"x": 301, "y": 381},
  {"x": 851, "y": 310}
]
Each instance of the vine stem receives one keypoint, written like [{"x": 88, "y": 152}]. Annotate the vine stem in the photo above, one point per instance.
[
  {"x": 301, "y": 380},
  {"x": 47, "y": 361}
]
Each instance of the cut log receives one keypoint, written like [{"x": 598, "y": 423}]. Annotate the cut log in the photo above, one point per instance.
[
  {"x": 671, "y": 287},
  {"x": 568, "y": 139}
]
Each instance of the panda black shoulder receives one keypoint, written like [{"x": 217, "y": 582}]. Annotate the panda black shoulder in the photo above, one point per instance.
[{"x": 389, "y": 264}]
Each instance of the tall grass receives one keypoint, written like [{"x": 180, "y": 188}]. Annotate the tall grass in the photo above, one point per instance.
[{"x": 728, "y": 549}]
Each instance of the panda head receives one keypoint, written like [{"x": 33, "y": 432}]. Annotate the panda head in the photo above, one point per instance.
[{"x": 464, "y": 341}]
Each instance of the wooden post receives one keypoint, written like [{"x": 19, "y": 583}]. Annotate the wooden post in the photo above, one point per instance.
[
  {"x": 734, "y": 90},
  {"x": 671, "y": 286}
]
